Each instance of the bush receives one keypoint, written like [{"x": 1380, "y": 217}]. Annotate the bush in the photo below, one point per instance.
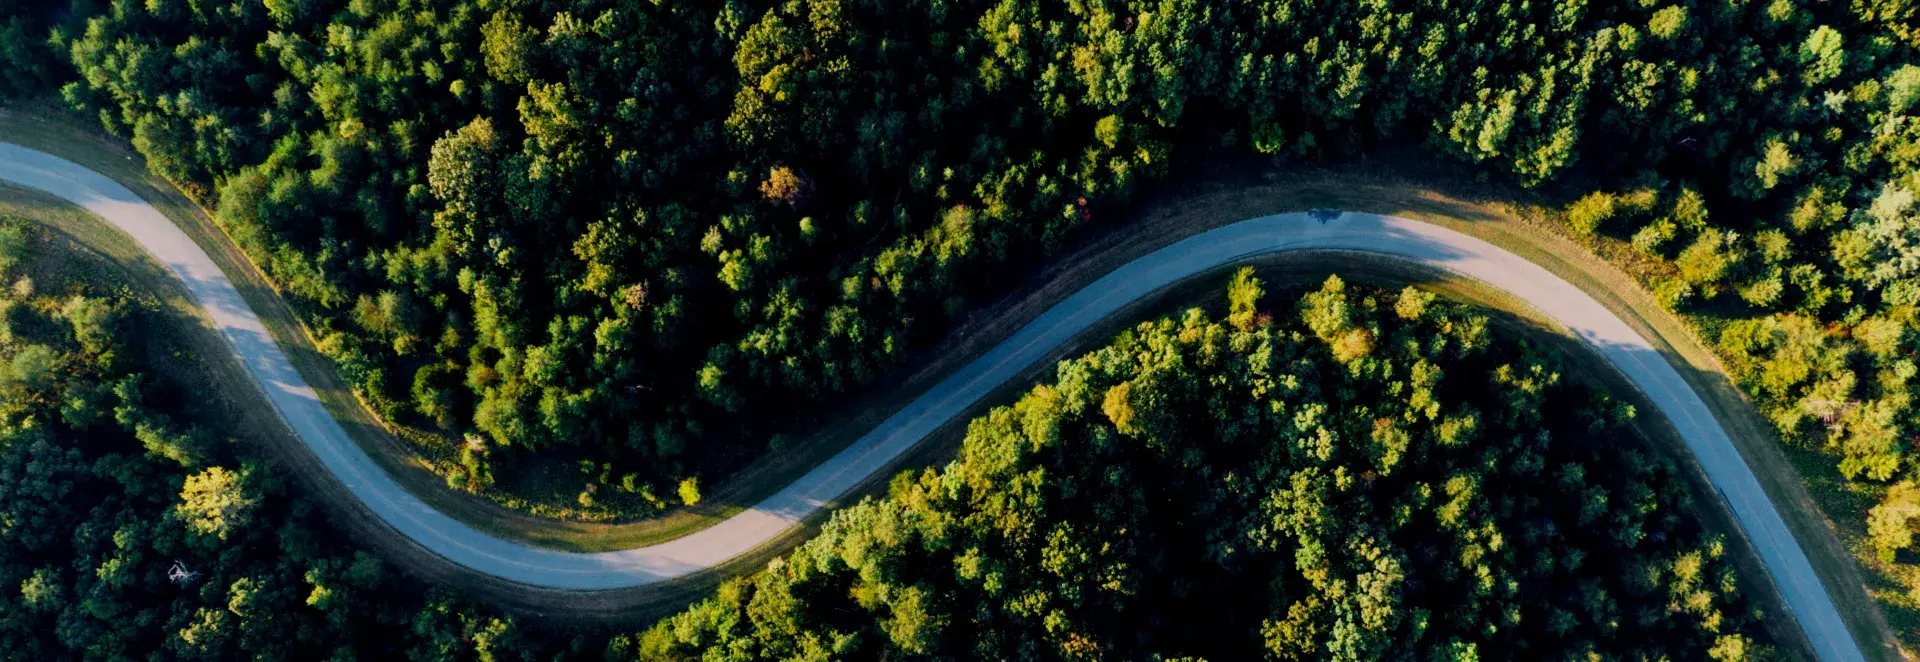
[
  {"x": 1586, "y": 215},
  {"x": 1764, "y": 291},
  {"x": 1672, "y": 294},
  {"x": 34, "y": 367},
  {"x": 13, "y": 246},
  {"x": 1710, "y": 261},
  {"x": 1652, "y": 238}
]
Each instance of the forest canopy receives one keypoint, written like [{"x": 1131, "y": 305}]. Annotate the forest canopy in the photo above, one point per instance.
[
  {"x": 128, "y": 530},
  {"x": 1364, "y": 475},
  {"x": 1351, "y": 475},
  {"x": 601, "y": 230}
]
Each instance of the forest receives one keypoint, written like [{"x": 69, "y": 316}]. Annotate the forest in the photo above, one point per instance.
[
  {"x": 601, "y": 230},
  {"x": 1372, "y": 473},
  {"x": 130, "y": 531},
  {"x": 1362, "y": 475}
]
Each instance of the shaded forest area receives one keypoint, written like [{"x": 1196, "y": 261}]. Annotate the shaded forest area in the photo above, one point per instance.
[
  {"x": 130, "y": 531},
  {"x": 602, "y": 230},
  {"x": 1358, "y": 475},
  {"x": 1366, "y": 475}
]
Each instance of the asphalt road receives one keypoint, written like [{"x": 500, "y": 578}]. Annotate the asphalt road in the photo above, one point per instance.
[{"x": 1411, "y": 240}]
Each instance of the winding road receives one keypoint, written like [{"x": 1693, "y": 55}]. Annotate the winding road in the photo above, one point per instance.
[{"x": 1382, "y": 235}]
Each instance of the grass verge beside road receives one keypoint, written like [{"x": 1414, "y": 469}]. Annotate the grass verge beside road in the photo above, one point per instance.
[{"x": 70, "y": 252}]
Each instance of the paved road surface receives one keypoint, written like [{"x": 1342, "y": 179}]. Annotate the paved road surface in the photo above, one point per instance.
[{"x": 1401, "y": 238}]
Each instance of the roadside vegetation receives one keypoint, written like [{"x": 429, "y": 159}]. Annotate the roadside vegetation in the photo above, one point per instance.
[
  {"x": 1359, "y": 475},
  {"x": 770, "y": 203},
  {"x": 1374, "y": 465},
  {"x": 128, "y": 529},
  {"x": 622, "y": 247}
]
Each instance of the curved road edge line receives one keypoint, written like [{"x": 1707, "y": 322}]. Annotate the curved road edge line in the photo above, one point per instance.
[{"x": 1400, "y": 238}]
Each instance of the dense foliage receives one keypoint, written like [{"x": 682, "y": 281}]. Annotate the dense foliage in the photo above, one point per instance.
[
  {"x": 128, "y": 532},
  {"x": 1370, "y": 476},
  {"x": 601, "y": 229},
  {"x": 26, "y": 64}
]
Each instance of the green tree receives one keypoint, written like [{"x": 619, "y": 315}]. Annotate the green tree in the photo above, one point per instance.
[
  {"x": 1884, "y": 243},
  {"x": 1243, "y": 298},
  {"x": 1822, "y": 56},
  {"x": 1890, "y": 524},
  {"x": 690, "y": 491},
  {"x": 1714, "y": 257},
  {"x": 1587, "y": 214},
  {"x": 13, "y": 247},
  {"x": 34, "y": 367},
  {"x": 216, "y": 503}
]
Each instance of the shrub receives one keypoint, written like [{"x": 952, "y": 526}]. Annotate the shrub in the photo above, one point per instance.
[{"x": 1586, "y": 215}]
